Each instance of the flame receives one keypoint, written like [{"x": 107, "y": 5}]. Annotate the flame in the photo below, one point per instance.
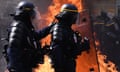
[
  {"x": 55, "y": 6},
  {"x": 104, "y": 64},
  {"x": 107, "y": 66},
  {"x": 86, "y": 61},
  {"x": 46, "y": 67},
  {"x": 53, "y": 10}
]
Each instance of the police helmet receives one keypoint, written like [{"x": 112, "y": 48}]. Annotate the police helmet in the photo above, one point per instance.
[
  {"x": 25, "y": 8},
  {"x": 68, "y": 13},
  {"x": 69, "y": 8}
]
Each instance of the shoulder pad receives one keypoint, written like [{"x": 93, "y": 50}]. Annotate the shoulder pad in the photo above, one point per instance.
[
  {"x": 14, "y": 23},
  {"x": 57, "y": 33},
  {"x": 18, "y": 24},
  {"x": 17, "y": 31}
]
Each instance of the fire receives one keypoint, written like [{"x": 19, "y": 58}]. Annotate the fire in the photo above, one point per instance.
[
  {"x": 106, "y": 65},
  {"x": 46, "y": 67},
  {"x": 88, "y": 60},
  {"x": 54, "y": 8}
]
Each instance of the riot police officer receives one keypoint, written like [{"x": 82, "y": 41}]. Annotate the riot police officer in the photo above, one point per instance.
[
  {"x": 64, "y": 45},
  {"x": 24, "y": 51}
]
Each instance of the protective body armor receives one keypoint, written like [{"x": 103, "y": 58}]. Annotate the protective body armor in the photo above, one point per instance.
[
  {"x": 66, "y": 44},
  {"x": 66, "y": 37},
  {"x": 64, "y": 47},
  {"x": 63, "y": 44},
  {"x": 24, "y": 50}
]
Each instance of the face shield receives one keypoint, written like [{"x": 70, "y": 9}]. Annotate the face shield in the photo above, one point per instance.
[
  {"x": 35, "y": 14},
  {"x": 36, "y": 19},
  {"x": 78, "y": 18}
]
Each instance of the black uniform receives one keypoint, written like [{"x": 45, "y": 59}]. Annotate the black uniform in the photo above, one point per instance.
[
  {"x": 24, "y": 50},
  {"x": 65, "y": 46},
  {"x": 23, "y": 47},
  {"x": 63, "y": 49}
]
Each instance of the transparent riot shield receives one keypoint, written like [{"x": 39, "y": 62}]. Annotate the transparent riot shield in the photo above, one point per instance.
[{"x": 88, "y": 60}]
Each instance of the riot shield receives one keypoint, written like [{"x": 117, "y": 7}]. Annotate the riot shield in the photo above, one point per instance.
[{"x": 88, "y": 60}]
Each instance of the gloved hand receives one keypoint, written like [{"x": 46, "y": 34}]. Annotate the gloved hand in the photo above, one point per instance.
[
  {"x": 51, "y": 24},
  {"x": 86, "y": 44}
]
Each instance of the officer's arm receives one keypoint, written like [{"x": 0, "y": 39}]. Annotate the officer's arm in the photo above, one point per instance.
[
  {"x": 82, "y": 44},
  {"x": 45, "y": 31}
]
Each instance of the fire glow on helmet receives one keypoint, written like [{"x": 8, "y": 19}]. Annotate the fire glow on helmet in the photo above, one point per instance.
[{"x": 68, "y": 10}]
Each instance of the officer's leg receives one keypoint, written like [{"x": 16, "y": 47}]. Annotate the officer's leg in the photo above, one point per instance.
[
  {"x": 16, "y": 62},
  {"x": 70, "y": 65},
  {"x": 58, "y": 60}
]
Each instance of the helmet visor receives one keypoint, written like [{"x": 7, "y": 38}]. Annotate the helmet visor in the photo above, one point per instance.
[{"x": 78, "y": 18}]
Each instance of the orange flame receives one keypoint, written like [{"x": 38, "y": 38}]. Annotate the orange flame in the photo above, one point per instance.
[
  {"x": 46, "y": 67},
  {"x": 106, "y": 67},
  {"x": 54, "y": 9},
  {"x": 104, "y": 64}
]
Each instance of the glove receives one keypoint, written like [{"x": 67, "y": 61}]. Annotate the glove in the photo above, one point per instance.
[{"x": 86, "y": 44}]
